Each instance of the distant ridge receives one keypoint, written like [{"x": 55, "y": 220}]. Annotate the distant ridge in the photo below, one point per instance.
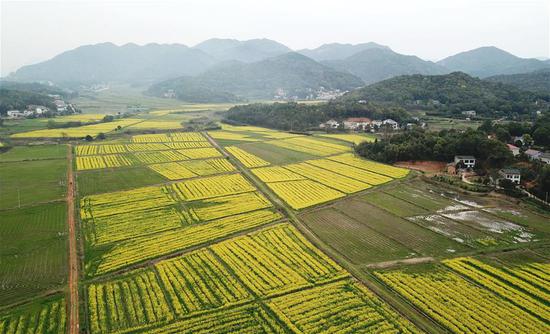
[{"x": 488, "y": 61}]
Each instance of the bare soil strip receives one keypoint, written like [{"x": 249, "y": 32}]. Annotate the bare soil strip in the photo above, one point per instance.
[{"x": 73, "y": 254}]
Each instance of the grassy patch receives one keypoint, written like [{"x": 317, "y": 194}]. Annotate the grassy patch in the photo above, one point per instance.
[
  {"x": 31, "y": 182},
  {"x": 274, "y": 154},
  {"x": 394, "y": 205},
  {"x": 425, "y": 198},
  {"x": 357, "y": 242},
  {"x": 108, "y": 180},
  {"x": 20, "y": 153},
  {"x": 33, "y": 252},
  {"x": 407, "y": 233}
]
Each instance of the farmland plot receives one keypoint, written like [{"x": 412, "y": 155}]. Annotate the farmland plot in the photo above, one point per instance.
[
  {"x": 277, "y": 260},
  {"x": 41, "y": 317},
  {"x": 276, "y": 174},
  {"x": 21, "y": 185},
  {"x": 213, "y": 186},
  {"x": 460, "y": 306},
  {"x": 350, "y": 171},
  {"x": 357, "y": 242},
  {"x": 394, "y": 205},
  {"x": 192, "y": 168},
  {"x": 340, "y": 307},
  {"x": 139, "y": 249},
  {"x": 249, "y": 318},
  {"x": 310, "y": 146},
  {"x": 496, "y": 227},
  {"x": 303, "y": 193},
  {"x": 328, "y": 178},
  {"x": 376, "y": 167},
  {"x": 456, "y": 231},
  {"x": 33, "y": 253},
  {"x": 247, "y": 159},
  {"x": 409, "y": 234},
  {"x": 425, "y": 198}
]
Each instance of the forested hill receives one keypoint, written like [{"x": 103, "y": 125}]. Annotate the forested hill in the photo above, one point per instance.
[
  {"x": 18, "y": 96},
  {"x": 450, "y": 94},
  {"x": 292, "y": 73},
  {"x": 537, "y": 81},
  {"x": 299, "y": 116}
]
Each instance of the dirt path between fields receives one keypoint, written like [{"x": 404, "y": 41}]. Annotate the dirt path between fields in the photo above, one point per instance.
[
  {"x": 73, "y": 254},
  {"x": 389, "y": 264}
]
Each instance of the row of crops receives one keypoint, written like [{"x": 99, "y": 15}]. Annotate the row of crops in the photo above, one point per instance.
[
  {"x": 317, "y": 181},
  {"x": 282, "y": 281},
  {"x": 475, "y": 297}
]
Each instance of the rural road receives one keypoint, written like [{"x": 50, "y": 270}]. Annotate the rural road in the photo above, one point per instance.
[{"x": 73, "y": 255}]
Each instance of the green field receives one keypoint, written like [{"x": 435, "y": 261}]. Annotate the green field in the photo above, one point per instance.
[
  {"x": 30, "y": 182},
  {"x": 420, "y": 240},
  {"x": 355, "y": 241},
  {"x": 33, "y": 252},
  {"x": 38, "y": 152},
  {"x": 274, "y": 154},
  {"x": 108, "y": 180},
  {"x": 393, "y": 205}
]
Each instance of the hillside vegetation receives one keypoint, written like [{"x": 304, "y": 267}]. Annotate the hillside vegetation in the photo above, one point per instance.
[
  {"x": 450, "y": 93},
  {"x": 537, "y": 81}
]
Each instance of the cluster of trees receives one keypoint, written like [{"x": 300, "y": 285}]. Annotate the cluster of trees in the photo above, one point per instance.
[
  {"x": 537, "y": 133},
  {"x": 17, "y": 96},
  {"x": 293, "y": 116},
  {"x": 418, "y": 144},
  {"x": 451, "y": 94}
]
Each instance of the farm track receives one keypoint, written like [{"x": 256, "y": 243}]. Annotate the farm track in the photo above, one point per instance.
[
  {"x": 73, "y": 304},
  {"x": 397, "y": 303}
]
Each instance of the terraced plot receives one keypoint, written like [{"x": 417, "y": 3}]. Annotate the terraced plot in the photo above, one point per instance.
[{"x": 277, "y": 260}]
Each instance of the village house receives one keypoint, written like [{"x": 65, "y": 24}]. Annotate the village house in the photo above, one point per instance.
[
  {"x": 533, "y": 154},
  {"x": 469, "y": 113},
  {"x": 330, "y": 124},
  {"x": 545, "y": 157},
  {"x": 514, "y": 149},
  {"x": 60, "y": 105},
  {"x": 511, "y": 174},
  {"x": 391, "y": 123},
  {"x": 467, "y": 160},
  {"x": 38, "y": 110},
  {"x": 357, "y": 123}
]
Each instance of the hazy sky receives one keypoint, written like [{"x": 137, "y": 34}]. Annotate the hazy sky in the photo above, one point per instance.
[{"x": 33, "y": 31}]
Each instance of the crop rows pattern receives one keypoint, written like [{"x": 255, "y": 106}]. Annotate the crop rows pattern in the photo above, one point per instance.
[{"x": 247, "y": 159}]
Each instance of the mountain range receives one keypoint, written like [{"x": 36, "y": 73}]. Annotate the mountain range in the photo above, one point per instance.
[{"x": 257, "y": 68}]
